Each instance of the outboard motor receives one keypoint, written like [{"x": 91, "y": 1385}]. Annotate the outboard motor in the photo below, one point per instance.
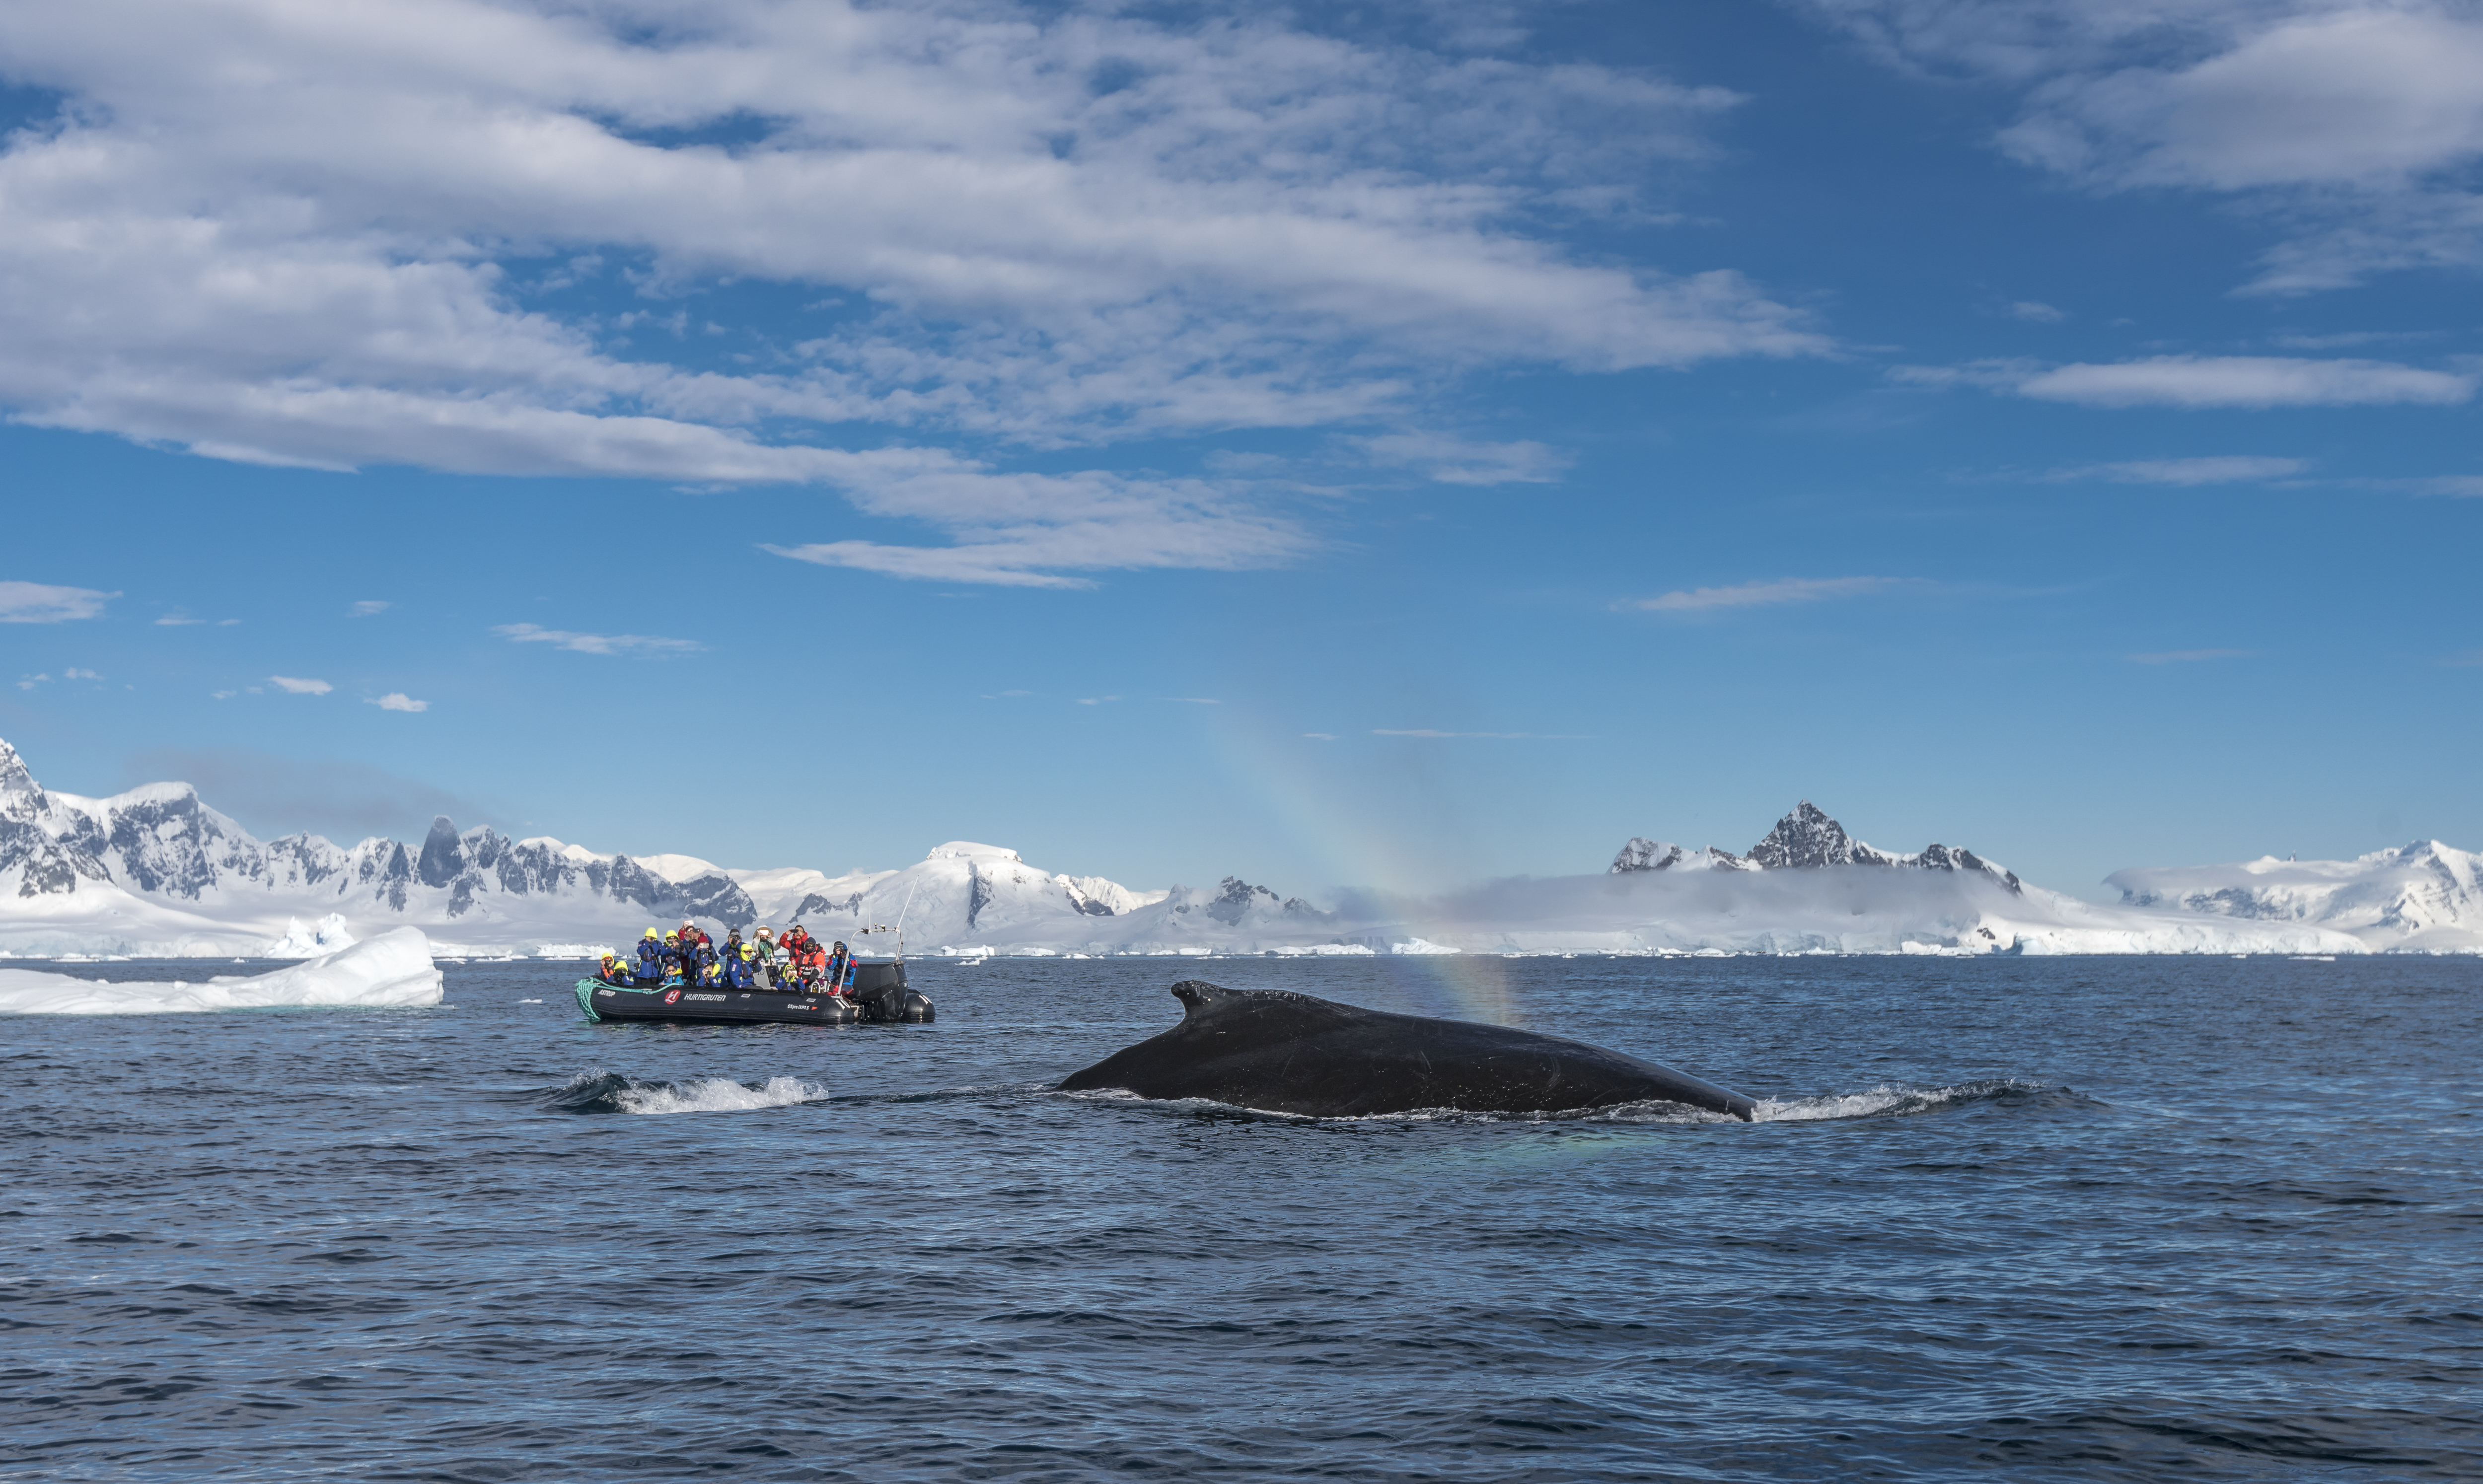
[{"x": 879, "y": 989}]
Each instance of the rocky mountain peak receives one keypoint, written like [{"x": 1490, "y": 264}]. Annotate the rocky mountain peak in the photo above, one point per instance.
[
  {"x": 1642, "y": 854},
  {"x": 443, "y": 853},
  {"x": 21, "y": 798},
  {"x": 1803, "y": 839},
  {"x": 1807, "y": 837}
]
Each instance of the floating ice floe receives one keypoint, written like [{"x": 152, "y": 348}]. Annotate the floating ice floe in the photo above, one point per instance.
[{"x": 393, "y": 969}]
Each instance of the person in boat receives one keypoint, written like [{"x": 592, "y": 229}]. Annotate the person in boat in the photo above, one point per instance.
[
  {"x": 736, "y": 965},
  {"x": 813, "y": 962},
  {"x": 731, "y": 947},
  {"x": 651, "y": 959},
  {"x": 711, "y": 968},
  {"x": 615, "y": 970},
  {"x": 693, "y": 937},
  {"x": 839, "y": 976},
  {"x": 673, "y": 964}
]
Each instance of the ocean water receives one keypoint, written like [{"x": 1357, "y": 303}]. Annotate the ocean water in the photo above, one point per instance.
[{"x": 2010, "y": 1219}]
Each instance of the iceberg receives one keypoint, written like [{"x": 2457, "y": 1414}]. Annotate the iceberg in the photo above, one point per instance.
[
  {"x": 391, "y": 970},
  {"x": 324, "y": 937}
]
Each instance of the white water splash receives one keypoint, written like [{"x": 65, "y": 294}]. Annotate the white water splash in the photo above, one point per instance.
[
  {"x": 1887, "y": 1099},
  {"x": 715, "y": 1095}
]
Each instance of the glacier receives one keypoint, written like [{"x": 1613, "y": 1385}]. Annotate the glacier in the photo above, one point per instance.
[
  {"x": 2423, "y": 896},
  {"x": 157, "y": 872}
]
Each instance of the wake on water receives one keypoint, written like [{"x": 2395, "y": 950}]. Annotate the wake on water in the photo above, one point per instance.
[
  {"x": 609, "y": 1092},
  {"x": 1886, "y": 1100}
]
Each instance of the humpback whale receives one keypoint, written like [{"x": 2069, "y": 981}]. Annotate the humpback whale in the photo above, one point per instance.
[{"x": 1282, "y": 1053}]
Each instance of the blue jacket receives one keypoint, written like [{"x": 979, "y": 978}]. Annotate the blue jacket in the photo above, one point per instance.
[{"x": 651, "y": 959}]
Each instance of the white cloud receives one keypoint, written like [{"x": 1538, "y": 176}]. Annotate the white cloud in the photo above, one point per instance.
[
  {"x": 296, "y": 686},
  {"x": 2350, "y": 121},
  {"x": 2213, "y": 469},
  {"x": 75, "y": 674},
  {"x": 2360, "y": 94},
  {"x": 1786, "y": 590},
  {"x": 2039, "y": 312},
  {"x": 596, "y": 644},
  {"x": 1455, "y": 460},
  {"x": 1024, "y": 530},
  {"x": 397, "y": 700},
  {"x": 29, "y": 682},
  {"x": 177, "y": 620},
  {"x": 316, "y": 237},
  {"x": 40, "y": 603},
  {"x": 1321, "y": 736},
  {"x": 367, "y": 607},
  {"x": 2185, "y": 656},
  {"x": 2245, "y": 382},
  {"x": 2205, "y": 382}
]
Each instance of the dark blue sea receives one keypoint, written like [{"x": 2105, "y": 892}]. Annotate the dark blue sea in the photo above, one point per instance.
[{"x": 2101, "y": 1219}]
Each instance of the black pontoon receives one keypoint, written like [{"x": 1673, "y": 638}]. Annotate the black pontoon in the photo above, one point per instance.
[{"x": 878, "y": 995}]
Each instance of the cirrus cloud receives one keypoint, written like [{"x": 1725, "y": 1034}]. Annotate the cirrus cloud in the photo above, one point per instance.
[
  {"x": 295, "y": 685},
  {"x": 2246, "y": 382},
  {"x": 330, "y": 239},
  {"x": 2211, "y": 470},
  {"x": 1752, "y": 594},
  {"x": 2352, "y": 125},
  {"x": 43, "y": 603},
  {"x": 596, "y": 644},
  {"x": 2201, "y": 382}
]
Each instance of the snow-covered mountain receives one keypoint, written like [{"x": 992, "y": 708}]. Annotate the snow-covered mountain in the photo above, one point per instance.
[
  {"x": 2425, "y": 896},
  {"x": 158, "y": 871},
  {"x": 1802, "y": 840}
]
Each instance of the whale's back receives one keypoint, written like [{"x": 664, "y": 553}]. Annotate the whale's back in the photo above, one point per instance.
[{"x": 1284, "y": 1052}]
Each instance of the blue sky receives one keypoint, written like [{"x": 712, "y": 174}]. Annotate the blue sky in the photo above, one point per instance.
[{"x": 1427, "y": 443}]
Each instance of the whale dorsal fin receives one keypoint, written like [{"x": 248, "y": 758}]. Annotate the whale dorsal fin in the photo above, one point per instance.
[
  {"x": 1198, "y": 994},
  {"x": 1199, "y": 999}
]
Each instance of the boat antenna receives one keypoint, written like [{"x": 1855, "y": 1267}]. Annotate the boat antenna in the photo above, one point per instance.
[{"x": 899, "y": 929}]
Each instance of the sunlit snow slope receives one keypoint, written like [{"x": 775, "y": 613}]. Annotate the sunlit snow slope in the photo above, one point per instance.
[{"x": 2422, "y": 897}]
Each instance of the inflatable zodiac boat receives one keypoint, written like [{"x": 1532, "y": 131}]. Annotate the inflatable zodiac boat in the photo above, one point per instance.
[{"x": 879, "y": 998}]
